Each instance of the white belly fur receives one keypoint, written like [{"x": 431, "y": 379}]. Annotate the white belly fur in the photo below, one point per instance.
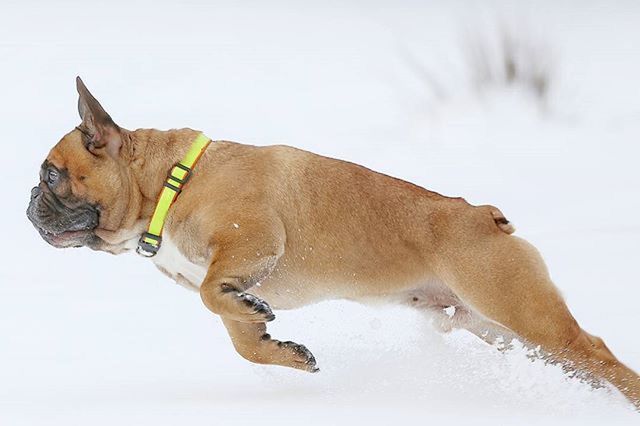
[{"x": 174, "y": 264}]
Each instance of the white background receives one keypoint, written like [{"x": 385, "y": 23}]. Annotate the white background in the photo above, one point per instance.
[{"x": 89, "y": 338}]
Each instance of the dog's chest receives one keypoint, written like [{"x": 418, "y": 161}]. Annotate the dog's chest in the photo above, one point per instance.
[{"x": 173, "y": 263}]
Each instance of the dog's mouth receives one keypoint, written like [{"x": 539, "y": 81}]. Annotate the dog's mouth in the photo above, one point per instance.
[
  {"x": 62, "y": 226},
  {"x": 66, "y": 238}
]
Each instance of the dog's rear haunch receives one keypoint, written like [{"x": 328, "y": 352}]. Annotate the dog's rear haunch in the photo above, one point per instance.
[{"x": 306, "y": 228}]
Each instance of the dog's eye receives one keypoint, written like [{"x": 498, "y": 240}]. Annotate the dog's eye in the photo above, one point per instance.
[{"x": 52, "y": 176}]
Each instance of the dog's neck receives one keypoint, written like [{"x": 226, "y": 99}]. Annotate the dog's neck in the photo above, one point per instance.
[
  {"x": 152, "y": 154},
  {"x": 147, "y": 155}
]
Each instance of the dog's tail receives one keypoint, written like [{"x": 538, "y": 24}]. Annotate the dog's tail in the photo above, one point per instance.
[{"x": 499, "y": 218}]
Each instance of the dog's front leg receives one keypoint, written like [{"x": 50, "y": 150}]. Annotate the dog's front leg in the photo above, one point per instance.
[
  {"x": 234, "y": 269},
  {"x": 227, "y": 298},
  {"x": 254, "y": 344},
  {"x": 245, "y": 315}
]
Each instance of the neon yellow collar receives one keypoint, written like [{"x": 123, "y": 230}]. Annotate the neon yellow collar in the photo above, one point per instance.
[{"x": 178, "y": 176}]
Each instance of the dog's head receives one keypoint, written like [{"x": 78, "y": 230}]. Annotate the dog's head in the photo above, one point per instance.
[{"x": 84, "y": 181}]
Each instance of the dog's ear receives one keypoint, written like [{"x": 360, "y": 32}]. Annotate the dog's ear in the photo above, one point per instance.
[{"x": 98, "y": 129}]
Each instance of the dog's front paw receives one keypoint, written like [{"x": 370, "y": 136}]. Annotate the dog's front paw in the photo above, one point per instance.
[
  {"x": 302, "y": 358},
  {"x": 257, "y": 310}
]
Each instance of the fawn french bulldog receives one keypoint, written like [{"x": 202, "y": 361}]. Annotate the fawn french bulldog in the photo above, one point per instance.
[{"x": 259, "y": 228}]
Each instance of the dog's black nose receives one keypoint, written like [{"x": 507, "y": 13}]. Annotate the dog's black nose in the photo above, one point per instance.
[{"x": 35, "y": 191}]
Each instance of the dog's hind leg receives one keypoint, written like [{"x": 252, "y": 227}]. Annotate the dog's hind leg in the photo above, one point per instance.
[
  {"x": 448, "y": 313},
  {"x": 504, "y": 279},
  {"x": 489, "y": 331}
]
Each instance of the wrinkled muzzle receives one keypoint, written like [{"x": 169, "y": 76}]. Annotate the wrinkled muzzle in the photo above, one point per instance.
[{"x": 58, "y": 224}]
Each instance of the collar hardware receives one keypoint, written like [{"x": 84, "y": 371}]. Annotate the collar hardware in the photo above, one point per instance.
[
  {"x": 146, "y": 249},
  {"x": 172, "y": 187},
  {"x": 182, "y": 180},
  {"x": 178, "y": 176}
]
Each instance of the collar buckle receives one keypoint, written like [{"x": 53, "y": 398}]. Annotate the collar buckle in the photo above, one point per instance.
[
  {"x": 187, "y": 176},
  {"x": 146, "y": 248}
]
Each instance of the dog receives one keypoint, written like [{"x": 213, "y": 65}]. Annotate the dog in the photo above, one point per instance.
[{"x": 259, "y": 228}]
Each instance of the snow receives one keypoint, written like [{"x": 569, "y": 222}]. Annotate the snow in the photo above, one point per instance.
[{"x": 90, "y": 338}]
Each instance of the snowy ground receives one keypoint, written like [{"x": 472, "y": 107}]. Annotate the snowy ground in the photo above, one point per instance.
[{"x": 88, "y": 338}]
